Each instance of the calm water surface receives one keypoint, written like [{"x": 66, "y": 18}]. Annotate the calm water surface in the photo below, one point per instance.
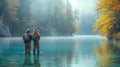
[{"x": 62, "y": 52}]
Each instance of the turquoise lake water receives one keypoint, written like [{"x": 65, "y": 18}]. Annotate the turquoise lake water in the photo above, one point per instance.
[{"x": 77, "y": 51}]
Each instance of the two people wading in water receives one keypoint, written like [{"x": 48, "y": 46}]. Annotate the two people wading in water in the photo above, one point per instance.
[{"x": 28, "y": 38}]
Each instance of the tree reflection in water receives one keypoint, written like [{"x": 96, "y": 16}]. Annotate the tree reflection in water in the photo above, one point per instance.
[{"x": 108, "y": 54}]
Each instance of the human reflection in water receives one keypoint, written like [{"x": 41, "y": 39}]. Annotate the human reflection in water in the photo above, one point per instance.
[
  {"x": 27, "y": 61},
  {"x": 108, "y": 54},
  {"x": 36, "y": 61}
]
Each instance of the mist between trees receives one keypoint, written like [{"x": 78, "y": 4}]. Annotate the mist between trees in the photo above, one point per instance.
[{"x": 51, "y": 17}]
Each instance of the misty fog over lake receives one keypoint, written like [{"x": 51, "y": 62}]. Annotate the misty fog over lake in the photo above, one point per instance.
[{"x": 59, "y": 33}]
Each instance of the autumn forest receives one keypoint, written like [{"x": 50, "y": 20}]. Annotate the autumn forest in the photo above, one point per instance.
[
  {"x": 58, "y": 18},
  {"x": 54, "y": 19}
]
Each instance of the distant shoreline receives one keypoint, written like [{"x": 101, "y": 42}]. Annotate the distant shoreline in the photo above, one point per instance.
[{"x": 89, "y": 36}]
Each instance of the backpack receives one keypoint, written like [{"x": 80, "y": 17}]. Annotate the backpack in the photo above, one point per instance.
[
  {"x": 36, "y": 37},
  {"x": 26, "y": 38}
]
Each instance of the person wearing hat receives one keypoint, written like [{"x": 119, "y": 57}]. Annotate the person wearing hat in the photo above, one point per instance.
[
  {"x": 36, "y": 38},
  {"x": 27, "y": 41}
]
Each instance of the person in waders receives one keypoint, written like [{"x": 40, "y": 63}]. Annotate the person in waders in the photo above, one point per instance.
[
  {"x": 36, "y": 38},
  {"x": 27, "y": 41}
]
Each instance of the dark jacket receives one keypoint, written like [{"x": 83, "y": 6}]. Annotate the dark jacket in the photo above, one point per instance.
[{"x": 27, "y": 38}]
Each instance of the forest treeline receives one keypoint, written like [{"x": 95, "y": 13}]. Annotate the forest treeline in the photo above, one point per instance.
[
  {"x": 108, "y": 22},
  {"x": 58, "y": 20}
]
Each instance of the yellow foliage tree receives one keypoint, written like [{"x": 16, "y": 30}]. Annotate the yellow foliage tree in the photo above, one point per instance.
[{"x": 107, "y": 17}]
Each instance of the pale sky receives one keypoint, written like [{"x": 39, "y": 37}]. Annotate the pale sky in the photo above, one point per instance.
[{"x": 83, "y": 5}]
